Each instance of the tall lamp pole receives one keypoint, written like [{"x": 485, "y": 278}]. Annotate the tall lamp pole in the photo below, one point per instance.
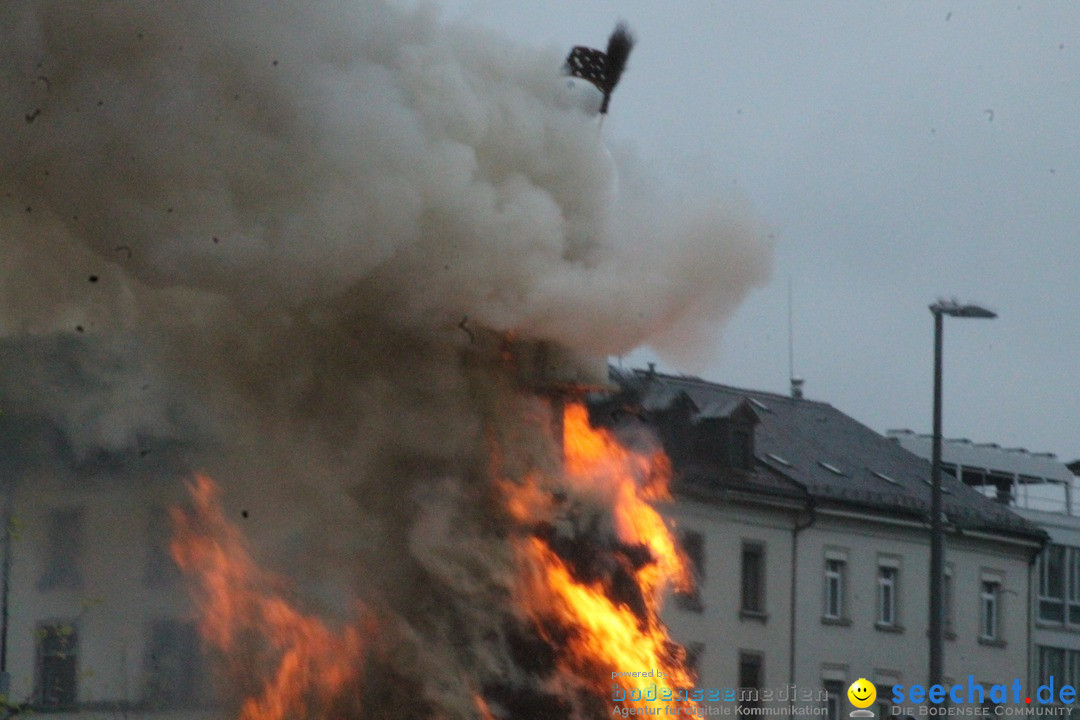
[{"x": 937, "y": 527}]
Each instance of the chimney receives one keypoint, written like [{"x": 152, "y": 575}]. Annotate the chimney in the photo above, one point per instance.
[{"x": 796, "y": 388}]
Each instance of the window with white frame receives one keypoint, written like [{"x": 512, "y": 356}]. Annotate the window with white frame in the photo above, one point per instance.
[
  {"x": 1059, "y": 585},
  {"x": 1061, "y": 664},
  {"x": 1051, "y": 663},
  {"x": 887, "y": 588},
  {"x": 989, "y": 607},
  {"x": 835, "y": 572},
  {"x": 1052, "y": 584}
]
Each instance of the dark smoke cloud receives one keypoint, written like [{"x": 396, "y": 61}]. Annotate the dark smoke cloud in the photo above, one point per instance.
[{"x": 322, "y": 218}]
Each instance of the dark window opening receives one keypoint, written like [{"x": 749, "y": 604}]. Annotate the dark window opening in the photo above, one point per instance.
[
  {"x": 65, "y": 539},
  {"x": 174, "y": 666},
  {"x": 834, "y": 689},
  {"x": 161, "y": 570},
  {"x": 753, "y": 578},
  {"x": 58, "y": 646},
  {"x": 694, "y": 652},
  {"x": 751, "y": 679},
  {"x": 693, "y": 544},
  {"x": 742, "y": 448}
]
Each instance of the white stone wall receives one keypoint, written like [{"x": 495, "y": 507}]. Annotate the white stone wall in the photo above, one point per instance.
[
  {"x": 856, "y": 648},
  {"x": 113, "y": 607}
]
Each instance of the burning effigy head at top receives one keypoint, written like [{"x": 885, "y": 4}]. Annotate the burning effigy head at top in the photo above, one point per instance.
[{"x": 377, "y": 257}]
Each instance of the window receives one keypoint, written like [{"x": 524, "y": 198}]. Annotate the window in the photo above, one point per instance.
[
  {"x": 753, "y": 578},
  {"x": 693, "y": 544},
  {"x": 1052, "y": 584},
  {"x": 161, "y": 569},
  {"x": 834, "y": 690},
  {"x": 64, "y": 543},
  {"x": 982, "y": 695},
  {"x": 1074, "y": 586},
  {"x": 751, "y": 679},
  {"x": 1051, "y": 664},
  {"x": 834, "y": 588},
  {"x": 173, "y": 665},
  {"x": 887, "y": 595},
  {"x": 884, "y": 680},
  {"x": 988, "y": 610},
  {"x": 1061, "y": 664},
  {"x": 57, "y": 656},
  {"x": 742, "y": 448},
  {"x": 694, "y": 652},
  {"x": 1059, "y": 585}
]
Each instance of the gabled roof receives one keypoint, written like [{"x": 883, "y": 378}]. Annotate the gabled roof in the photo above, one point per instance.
[{"x": 832, "y": 457}]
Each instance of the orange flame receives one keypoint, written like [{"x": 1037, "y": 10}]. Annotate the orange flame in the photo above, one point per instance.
[
  {"x": 608, "y": 636},
  {"x": 290, "y": 665},
  {"x": 308, "y": 666}
]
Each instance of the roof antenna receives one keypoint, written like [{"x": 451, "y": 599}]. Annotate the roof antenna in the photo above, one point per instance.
[{"x": 796, "y": 382}]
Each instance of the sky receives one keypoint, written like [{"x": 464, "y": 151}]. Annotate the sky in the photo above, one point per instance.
[{"x": 897, "y": 153}]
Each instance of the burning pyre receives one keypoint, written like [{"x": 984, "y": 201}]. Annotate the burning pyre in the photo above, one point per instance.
[{"x": 592, "y": 560}]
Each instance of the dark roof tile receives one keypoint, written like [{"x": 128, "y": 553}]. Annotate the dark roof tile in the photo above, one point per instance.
[{"x": 816, "y": 440}]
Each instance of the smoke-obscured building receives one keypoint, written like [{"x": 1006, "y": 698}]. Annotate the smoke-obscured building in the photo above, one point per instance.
[
  {"x": 96, "y": 618},
  {"x": 1042, "y": 489},
  {"x": 810, "y": 534}
]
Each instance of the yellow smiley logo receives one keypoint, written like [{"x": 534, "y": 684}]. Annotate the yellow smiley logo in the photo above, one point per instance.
[{"x": 862, "y": 693}]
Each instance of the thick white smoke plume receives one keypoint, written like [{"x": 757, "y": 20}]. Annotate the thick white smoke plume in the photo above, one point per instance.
[
  {"x": 285, "y": 155},
  {"x": 306, "y": 215}
]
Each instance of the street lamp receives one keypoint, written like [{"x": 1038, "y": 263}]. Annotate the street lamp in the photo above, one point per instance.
[{"x": 937, "y": 529}]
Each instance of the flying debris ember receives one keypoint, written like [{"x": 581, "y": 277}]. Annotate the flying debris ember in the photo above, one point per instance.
[{"x": 604, "y": 70}]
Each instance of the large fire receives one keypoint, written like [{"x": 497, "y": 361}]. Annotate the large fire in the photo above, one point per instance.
[
  {"x": 593, "y": 560},
  {"x": 606, "y": 600}
]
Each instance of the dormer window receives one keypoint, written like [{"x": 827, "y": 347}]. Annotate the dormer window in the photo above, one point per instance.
[
  {"x": 718, "y": 436},
  {"x": 742, "y": 447}
]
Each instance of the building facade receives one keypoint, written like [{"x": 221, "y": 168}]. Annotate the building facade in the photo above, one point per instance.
[
  {"x": 808, "y": 533},
  {"x": 96, "y": 618},
  {"x": 1041, "y": 489},
  {"x": 811, "y": 535}
]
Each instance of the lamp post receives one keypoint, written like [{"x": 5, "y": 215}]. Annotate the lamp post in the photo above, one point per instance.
[{"x": 937, "y": 527}]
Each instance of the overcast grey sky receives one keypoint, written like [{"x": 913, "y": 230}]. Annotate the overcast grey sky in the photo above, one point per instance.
[{"x": 899, "y": 152}]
